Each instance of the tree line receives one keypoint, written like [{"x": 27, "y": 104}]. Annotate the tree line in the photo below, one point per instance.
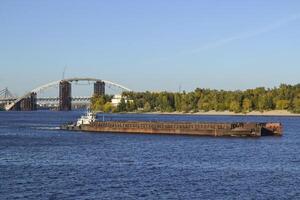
[{"x": 284, "y": 97}]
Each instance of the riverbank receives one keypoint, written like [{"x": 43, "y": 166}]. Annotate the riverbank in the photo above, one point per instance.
[{"x": 228, "y": 113}]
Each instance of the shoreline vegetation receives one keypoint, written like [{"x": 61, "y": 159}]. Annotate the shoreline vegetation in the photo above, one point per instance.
[
  {"x": 279, "y": 101},
  {"x": 228, "y": 113},
  {"x": 272, "y": 113}
]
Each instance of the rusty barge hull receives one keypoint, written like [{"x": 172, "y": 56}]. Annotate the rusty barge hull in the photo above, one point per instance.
[{"x": 182, "y": 128}]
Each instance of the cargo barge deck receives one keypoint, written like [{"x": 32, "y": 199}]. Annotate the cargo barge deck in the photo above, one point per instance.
[{"x": 88, "y": 123}]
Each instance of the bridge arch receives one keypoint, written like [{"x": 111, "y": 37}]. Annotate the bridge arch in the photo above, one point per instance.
[{"x": 56, "y": 83}]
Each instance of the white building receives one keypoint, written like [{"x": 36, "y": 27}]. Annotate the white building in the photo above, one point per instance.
[{"x": 116, "y": 100}]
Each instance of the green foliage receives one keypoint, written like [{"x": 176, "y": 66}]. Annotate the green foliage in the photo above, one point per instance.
[
  {"x": 122, "y": 106},
  {"x": 130, "y": 106},
  {"x": 285, "y": 97},
  {"x": 296, "y": 105},
  {"x": 235, "y": 107},
  {"x": 147, "y": 107},
  {"x": 107, "y": 107},
  {"x": 247, "y": 105},
  {"x": 98, "y": 103},
  {"x": 282, "y": 104}
]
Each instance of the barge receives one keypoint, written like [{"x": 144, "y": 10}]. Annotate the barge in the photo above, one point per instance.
[{"x": 88, "y": 123}]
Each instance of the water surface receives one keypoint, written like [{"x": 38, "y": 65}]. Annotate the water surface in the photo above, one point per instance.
[{"x": 38, "y": 161}]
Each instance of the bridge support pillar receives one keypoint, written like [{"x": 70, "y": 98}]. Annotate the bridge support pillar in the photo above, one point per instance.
[
  {"x": 65, "y": 96},
  {"x": 99, "y": 88},
  {"x": 27, "y": 104}
]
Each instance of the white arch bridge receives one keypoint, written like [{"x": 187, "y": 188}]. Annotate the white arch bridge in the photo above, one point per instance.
[{"x": 15, "y": 101}]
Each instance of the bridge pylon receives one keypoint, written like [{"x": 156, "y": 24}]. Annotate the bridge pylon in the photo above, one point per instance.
[
  {"x": 27, "y": 104},
  {"x": 99, "y": 88},
  {"x": 65, "y": 96}
]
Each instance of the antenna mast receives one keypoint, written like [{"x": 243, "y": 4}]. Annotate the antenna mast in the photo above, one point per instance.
[{"x": 63, "y": 75}]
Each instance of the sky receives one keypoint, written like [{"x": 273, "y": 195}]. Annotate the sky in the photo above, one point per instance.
[{"x": 157, "y": 45}]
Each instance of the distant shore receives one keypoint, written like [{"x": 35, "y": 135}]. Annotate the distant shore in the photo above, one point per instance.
[{"x": 253, "y": 113}]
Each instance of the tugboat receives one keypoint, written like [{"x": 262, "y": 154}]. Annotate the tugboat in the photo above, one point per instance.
[{"x": 86, "y": 119}]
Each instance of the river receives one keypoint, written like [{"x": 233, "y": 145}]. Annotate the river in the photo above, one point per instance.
[{"x": 39, "y": 161}]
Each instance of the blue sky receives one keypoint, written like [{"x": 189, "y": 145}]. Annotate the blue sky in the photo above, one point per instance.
[{"x": 151, "y": 45}]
